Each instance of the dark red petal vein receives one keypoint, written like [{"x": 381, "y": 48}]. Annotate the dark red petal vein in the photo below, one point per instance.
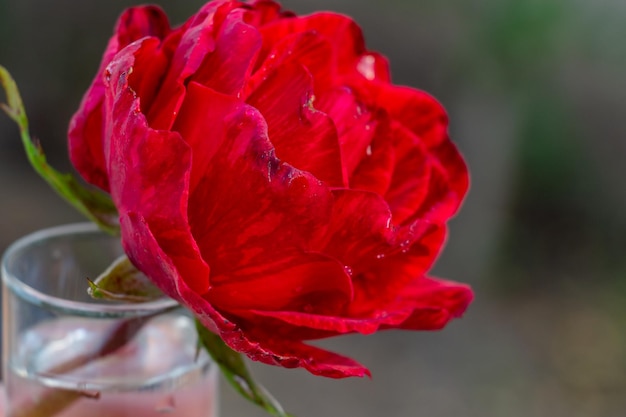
[{"x": 302, "y": 136}]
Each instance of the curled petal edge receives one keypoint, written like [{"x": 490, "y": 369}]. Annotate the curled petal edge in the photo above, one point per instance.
[{"x": 290, "y": 354}]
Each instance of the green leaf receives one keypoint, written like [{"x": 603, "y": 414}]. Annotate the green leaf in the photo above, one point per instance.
[
  {"x": 236, "y": 372},
  {"x": 94, "y": 204},
  {"x": 123, "y": 282}
]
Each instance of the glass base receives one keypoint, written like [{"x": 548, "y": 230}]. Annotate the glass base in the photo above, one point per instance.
[{"x": 67, "y": 355}]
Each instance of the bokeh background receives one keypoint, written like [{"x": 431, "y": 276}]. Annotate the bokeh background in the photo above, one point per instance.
[{"x": 536, "y": 91}]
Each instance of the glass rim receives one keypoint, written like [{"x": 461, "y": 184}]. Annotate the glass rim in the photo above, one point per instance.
[{"x": 32, "y": 295}]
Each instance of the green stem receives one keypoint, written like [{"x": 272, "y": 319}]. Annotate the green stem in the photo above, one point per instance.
[
  {"x": 95, "y": 205},
  {"x": 236, "y": 372}
]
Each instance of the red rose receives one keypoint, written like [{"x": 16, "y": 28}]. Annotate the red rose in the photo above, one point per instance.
[{"x": 270, "y": 177}]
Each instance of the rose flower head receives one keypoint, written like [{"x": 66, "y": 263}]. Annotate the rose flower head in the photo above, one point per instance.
[{"x": 270, "y": 177}]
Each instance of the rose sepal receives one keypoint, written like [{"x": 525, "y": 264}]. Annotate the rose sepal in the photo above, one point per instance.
[
  {"x": 121, "y": 281},
  {"x": 95, "y": 205}
]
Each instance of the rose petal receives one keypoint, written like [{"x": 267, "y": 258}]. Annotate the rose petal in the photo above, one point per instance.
[
  {"x": 355, "y": 124},
  {"x": 303, "y": 137},
  {"x": 228, "y": 66},
  {"x": 341, "y": 31},
  {"x": 306, "y": 325},
  {"x": 273, "y": 207},
  {"x": 313, "y": 359},
  {"x": 375, "y": 168},
  {"x": 148, "y": 69},
  {"x": 359, "y": 224},
  {"x": 263, "y": 12},
  {"x": 434, "y": 302},
  {"x": 415, "y": 109},
  {"x": 456, "y": 172},
  {"x": 309, "y": 49},
  {"x": 292, "y": 281},
  {"x": 426, "y": 118},
  {"x": 286, "y": 353},
  {"x": 149, "y": 172},
  {"x": 409, "y": 181},
  {"x": 86, "y": 127},
  {"x": 442, "y": 199},
  {"x": 425, "y": 304},
  {"x": 196, "y": 41},
  {"x": 138, "y": 22},
  {"x": 383, "y": 259}
]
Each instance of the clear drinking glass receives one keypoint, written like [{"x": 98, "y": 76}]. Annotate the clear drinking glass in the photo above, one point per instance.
[{"x": 66, "y": 354}]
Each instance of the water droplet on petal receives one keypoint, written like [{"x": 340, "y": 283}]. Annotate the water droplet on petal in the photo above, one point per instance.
[
  {"x": 368, "y": 150},
  {"x": 367, "y": 67}
]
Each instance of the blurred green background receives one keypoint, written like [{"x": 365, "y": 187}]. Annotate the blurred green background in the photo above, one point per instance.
[{"x": 536, "y": 91}]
